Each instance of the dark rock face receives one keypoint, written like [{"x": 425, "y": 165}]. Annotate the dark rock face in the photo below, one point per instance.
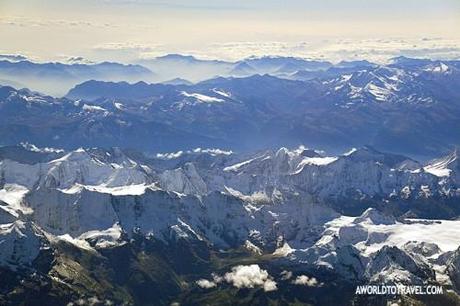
[{"x": 453, "y": 268}]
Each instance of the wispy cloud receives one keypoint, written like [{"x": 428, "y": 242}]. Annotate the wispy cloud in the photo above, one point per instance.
[
  {"x": 13, "y": 57},
  {"x": 138, "y": 47},
  {"x": 129, "y": 51},
  {"x": 127, "y": 30},
  {"x": 21, "y": 21},
  {"x": 377, "y": 50},
  {"x": 187, "y": 5}
]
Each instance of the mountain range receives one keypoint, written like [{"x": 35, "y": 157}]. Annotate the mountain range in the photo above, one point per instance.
[
  {"x": 57, "y": 78},
  {"x": 403, "y": 108},
  {"x": 270, "y": 180},
  {"x": 188, "y": 225}
]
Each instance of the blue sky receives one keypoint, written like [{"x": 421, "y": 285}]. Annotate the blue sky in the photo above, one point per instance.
[{"x": 127, "y": 29}]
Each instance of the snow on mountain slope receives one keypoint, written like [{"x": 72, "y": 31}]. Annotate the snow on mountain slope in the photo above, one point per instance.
[
  {"x": 297, "y": 109},
  {"x": 274, "y": 200},
  {"x": 439, "y": 67},
  {"x": 202, "y": 98},
  {"x": 12, "y": 172},
  {"x": 440, "y": 232},
  {"x": 443, "y": 167},
  {"x": 390, "y": 251},
  {"x": 317, "y": 161},
  {"x": 105, "y": 238},
  {"x": 222, "y": 93},
  {"x": 183, "y": 180},
  {"x": 364, "y": 171},
  {"x": 62, "y": 213},
  {"x": 117, "y": 191},
  {"x": 79, "y": 166},
  {"x": 20, "y": 243},
  {"x": 12, "y": 195},
  {"x": 75, "y": 167},
  {"x": 380, "y": 84}
]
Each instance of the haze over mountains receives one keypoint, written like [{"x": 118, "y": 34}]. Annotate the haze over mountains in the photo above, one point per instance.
[
  {"x": 57, "y": 78},
  {"x": 409, "y": 106}
]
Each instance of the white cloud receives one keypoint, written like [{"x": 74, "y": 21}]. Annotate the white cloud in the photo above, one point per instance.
[
  {"x": 249, "y": 277},
  {"x": 285, "y": 275},
  {"x": 204, "y": 283},
  {"x": 335, "y": 50},
  {"x": 77, "y": 60},
  {"x": 174, "y": 155},
  {"x": 113, "y": 46},
  {"x": 13, "y": 57},
  {"x": 213, "y": 152},
  {"x": 208, "y": 284},
  {"x": 270, "y": 285},
  {"x": 50, "y": 22},
  {"x": 304, "y": 280}
]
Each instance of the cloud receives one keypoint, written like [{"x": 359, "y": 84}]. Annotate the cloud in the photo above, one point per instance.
[
  {"x": 304, "y": 280},
  {"x": 131, "y": 50},
  {"x": 91, "y": 301},
  {"x": 249, "y": 277},
  {"x": 270, "y": 285},
  {"x": 172, "y": 155},
  {"x": 186, "y": 5},
  {"x": 113, "y": 46},
  {"x": 212, "y": 152},
  {"x": 78, "y": 60},
  {"x": 252, "y": 276},
  {"x": 13, "y": 57},
  {"x": 335, "y": 50},
  {"x": 49, "y": 22},
  {"x": 285, "y": 275},
  {"x": 208, "y": 284},
  {"x": 204, "y": 283}
]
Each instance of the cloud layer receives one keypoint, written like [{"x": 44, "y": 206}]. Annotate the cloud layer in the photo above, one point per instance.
[
  {"x": 126, "y": 30},
  {"x": 304, "y": 280},
  {"x": 251, "y": 276},
  {"x": 335, "y": 50}
]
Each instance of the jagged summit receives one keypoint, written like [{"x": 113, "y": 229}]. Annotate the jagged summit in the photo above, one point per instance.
[
  {"x": 374, "y": 216},
  {"x": 291, "y": 204}
]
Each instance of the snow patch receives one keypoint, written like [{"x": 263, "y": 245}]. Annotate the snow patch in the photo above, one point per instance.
[
  {"x": 13, "y": 194},
  {"x": 93, "y": 108},
  {"x": 237, "y": 166},
  {"x": 222, "y": 93},
  {"x": 283, "y": 251},
  {"x": 202, "y": 98}
]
